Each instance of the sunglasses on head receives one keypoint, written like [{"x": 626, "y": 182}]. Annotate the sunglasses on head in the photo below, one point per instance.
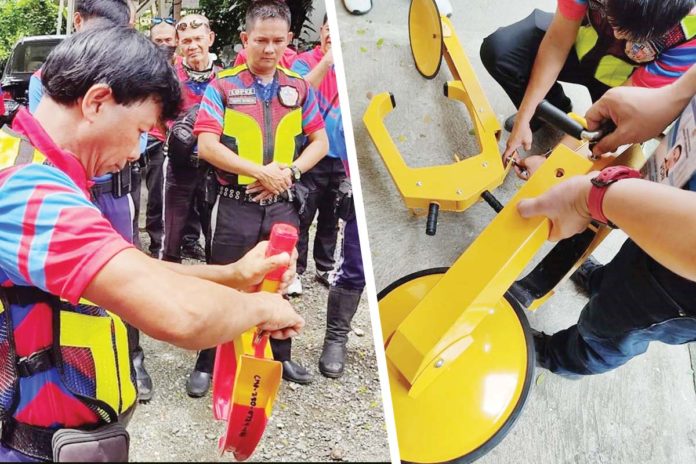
[
  {"x": 156, "y": 21},
  {"x": 195, "y": 24}
]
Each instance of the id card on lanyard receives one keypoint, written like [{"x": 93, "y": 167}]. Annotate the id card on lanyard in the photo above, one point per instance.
[{"x": 674, "y": 160}]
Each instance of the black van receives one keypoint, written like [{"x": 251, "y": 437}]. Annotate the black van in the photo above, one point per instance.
[{"x": 27, "y": 56}]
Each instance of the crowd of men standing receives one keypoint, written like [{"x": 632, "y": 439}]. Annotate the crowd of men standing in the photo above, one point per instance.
[{"x": 258, "y": 143}]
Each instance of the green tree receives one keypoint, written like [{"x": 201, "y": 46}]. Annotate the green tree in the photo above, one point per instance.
[{"x": 20, "y": 18}]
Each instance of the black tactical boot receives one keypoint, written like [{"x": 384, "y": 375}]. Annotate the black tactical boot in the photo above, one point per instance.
[
  {"x": 199, "y": 380},
  {"x": 342, "y": 304}
]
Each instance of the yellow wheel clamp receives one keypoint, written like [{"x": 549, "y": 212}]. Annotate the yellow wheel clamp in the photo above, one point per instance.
[
  {"x": 459, "y": 351},
  {"x": 452, "y": 187}
]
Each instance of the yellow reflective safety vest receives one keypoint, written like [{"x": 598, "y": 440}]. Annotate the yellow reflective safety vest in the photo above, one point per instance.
[
  {"x": 61, "y": 365},
  {"x": 600, "y": 51},
  {"x": 261, "y": 130}
]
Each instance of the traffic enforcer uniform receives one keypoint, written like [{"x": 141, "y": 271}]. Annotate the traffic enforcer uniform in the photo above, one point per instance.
[
  {"x": 64, "y": 362},
  {"x": 262, "y": 124},
  {"x": 598, "y": 60}
]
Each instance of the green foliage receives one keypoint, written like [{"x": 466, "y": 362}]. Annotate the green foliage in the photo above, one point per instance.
[
  {"x": 227, "y": 19},
  {"x": 20, "y": 18}
]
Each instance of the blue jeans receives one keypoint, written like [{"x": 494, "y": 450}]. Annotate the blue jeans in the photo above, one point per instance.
[
  {"x": 634, "y": 300},
  {"x": 10, "y": 455}
]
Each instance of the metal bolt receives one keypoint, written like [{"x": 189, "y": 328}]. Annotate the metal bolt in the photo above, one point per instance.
[
  {"x": 440, "y": 363},
  {"x": 459, "y": 191},
  {"x": 484, "y": 164},
  {"x": 419, "y": 183},
  {"x": 480, "y": 110}
]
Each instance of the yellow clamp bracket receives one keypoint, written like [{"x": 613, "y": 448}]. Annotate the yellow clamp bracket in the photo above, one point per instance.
[
  {"x": 457, "y": 186},
  {"x": 475, "y": 283}
]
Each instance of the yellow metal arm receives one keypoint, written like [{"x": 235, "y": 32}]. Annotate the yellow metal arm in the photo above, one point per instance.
[
  {"x": 457, "y": 186},
  {"x": 454, "y": 187},
  {"x": 474, "y": 284}
]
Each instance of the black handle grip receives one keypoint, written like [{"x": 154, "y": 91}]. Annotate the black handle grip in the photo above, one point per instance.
[
  {"x": 558, "y": 119},
  {"x": 431, "y": 222},
  {"x": 492, "y": 201}
]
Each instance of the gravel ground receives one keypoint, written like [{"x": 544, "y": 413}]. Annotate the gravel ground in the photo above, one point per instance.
[{"x": 328, "y": 420}]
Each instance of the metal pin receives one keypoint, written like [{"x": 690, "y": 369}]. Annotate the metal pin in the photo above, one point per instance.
[
  {"x": 439, "y": 363},
  {"x": 419, "y": 183}
]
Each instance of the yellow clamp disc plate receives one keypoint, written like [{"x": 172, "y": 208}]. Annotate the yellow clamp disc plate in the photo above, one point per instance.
[
  {"x": 425, "y": 36},
  {"x": 470, "y": 407}
]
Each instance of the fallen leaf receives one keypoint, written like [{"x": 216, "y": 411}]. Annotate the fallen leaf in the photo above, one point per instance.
[
  {"x": 369, "y": 95},
  {"x": 401, "y": 138},
  {"x": 540, "y": 379},
  {"x": 360, "y": 32},
  {"x": 363, "y": 49},
  {"x": 427, "y": 119},
  {"x": 380, "y": 42}
]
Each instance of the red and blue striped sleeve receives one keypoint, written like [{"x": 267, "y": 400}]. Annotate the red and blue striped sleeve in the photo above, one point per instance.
[
  {"x": 53, "y": 237},
  {"x": 211, "y": 111},
  {"x": 300, "y": 66},
  {"x": 311, "y": 117},
  {"x": 669, "y": 66},
  {"x": 573, "y": 9}
]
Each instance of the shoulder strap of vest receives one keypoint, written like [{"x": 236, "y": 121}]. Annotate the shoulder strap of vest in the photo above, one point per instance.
[
  {"x": 682, "y": 32},
  {"x": 25, "y": 150},
  {"x": 232, "y": 71},
  {"x": 289, "y": 72}
]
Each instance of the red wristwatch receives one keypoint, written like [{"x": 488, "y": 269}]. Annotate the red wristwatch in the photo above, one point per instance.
[{"x": 604, "y": 179}]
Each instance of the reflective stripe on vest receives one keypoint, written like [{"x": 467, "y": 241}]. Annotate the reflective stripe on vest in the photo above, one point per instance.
[{"x": 85, "y": 326}]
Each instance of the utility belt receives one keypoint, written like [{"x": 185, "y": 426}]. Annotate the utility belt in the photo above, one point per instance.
[
  {"x": 108, "y": 442},
  {"x": 119, "y": 185},
  {"x": 238, "y": 192}
]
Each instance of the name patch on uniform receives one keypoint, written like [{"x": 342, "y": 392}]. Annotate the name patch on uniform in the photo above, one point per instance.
[
  {"x": 241, "y": 96},
  {"x": 288, "y": 96}
]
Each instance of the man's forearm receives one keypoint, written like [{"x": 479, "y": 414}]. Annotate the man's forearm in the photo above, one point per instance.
[
  {"x": 316, "y": 75},
  {"x": 659, "y": 218},
  {"x": 551, "y": 57},
  {"x": 228, "y": 275},
  {"x": 188, "y": 312}
]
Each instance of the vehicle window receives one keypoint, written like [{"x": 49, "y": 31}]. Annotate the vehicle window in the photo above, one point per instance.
[{"x": 28, "y": 57}]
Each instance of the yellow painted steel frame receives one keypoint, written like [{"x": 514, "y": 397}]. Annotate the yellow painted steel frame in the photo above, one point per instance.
[
  {"x": 457, "y": 186},
  {"x": 463, "y": 298}
]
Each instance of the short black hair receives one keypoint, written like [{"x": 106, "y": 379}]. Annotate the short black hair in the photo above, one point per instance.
[
  {"x": 267, "y": 9},
  {"x": 120, "y": 57},
  {"x": 326, "y": 19},
  {"x": 116, "y": 11},
  {"x": 642, "y": 20}
]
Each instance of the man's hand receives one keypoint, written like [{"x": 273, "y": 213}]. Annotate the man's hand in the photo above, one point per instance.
[
  {"x": 328, "y": 57},
  {"x": 521, "y": 136},
  {"x": 638, "y": 113},
  {"x": 282, "y": 322},
  {"x": 275, "y": 178},
  {"x": 262, "y": 193},
  {"x": 250, "y": 270},
  {"x": 564, "y": 204}
]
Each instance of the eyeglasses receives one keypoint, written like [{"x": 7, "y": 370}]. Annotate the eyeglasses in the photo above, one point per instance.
[
  {"x": 156, "y": 21},
  {"x": 195, "y": 24}
]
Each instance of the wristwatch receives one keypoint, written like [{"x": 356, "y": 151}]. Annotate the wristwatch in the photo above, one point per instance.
[
  {"x": 296, "y": 173},
  {"x": 604, "y": 179}
]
